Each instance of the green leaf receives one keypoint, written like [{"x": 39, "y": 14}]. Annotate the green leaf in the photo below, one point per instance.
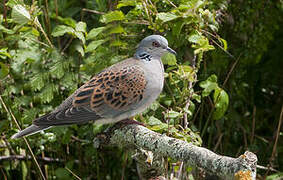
[
  {"x": 5, "y": 30},
  {"x": 152, "y": 121},
  {"x": 221, "y": 102},
  {"x": 62, "y": 173},
  {"x": 37, "y": 82},
  {"x": 169, "y": 59},
  {"x": 276, "y": 176},
  {"x": 24, "y": 170},
  {"x": 4, "y": 53},
  {"x": 20, "y": 15},
  {"x": 123, "y": 3},
  {"x": 116, "y": 30},
  {"x": 209, "y": 85},
  {"x": 60, "y": 30},
  {"x": 94, "y": 44},
  {"x": 173, "y": 114},
  {"x": 195, "y": 38},
  {"x": 68, "y": 21},
  {"x": 224, "y": 42},
  {"x": 47, "y": 94},
  {"x": 58, "y": 70},
  {"x": 80, "y": 49},
  {"x": 4, "y": 70},
  {"x": 112, "y": 16},
  {"x": 81, "y": 26},
  {"x": 80, "y": 35},
  {"x": 94, "y": 32},
  {"x": 35, "y": 32},
  {"x": 165, "y": 17}
]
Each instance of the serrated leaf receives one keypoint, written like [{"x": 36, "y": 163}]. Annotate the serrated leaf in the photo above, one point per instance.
[
  {"x": 94, "y": 32},
  {"x": 58, "y": 70},
  {"x": 47, "y": 94},
  {"x": 112, "y": 16},
  {"x": 221, "y": 102},
  {"x": 20, "y": 15},
  {"x": 165, "y": 17},
  {"x": 94, "y": 44},
  {"x": 81, "y": 26},
  {"x": 60, "y": 30},
  {"x": 29, "y": 115},
  {"x": 37, "y": 83}
]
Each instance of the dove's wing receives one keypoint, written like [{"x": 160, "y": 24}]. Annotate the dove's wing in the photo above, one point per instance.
[{"x": 112, "y": 92}]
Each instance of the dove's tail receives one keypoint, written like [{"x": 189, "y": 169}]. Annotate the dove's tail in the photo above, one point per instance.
[{"x": 29, "y": 131}]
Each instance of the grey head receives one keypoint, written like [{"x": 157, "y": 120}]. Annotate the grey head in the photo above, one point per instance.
[{"x": 153, "y": 46}]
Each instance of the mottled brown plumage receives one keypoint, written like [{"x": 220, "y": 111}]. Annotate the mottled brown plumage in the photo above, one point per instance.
[{"x": 118, "y": 92}]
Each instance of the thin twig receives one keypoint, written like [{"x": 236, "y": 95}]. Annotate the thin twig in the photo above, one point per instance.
[
  {"x": 37, "y": 23},
  {"x": 266, "y": 168},
  {"x": 76, "y": 176},
  {"x": 170, "y": 2},
  {"x": 218, "y": 142},
  {"x": 231, "y": 70},
  {"x": 253, "y": 126},
  {"x": 18, "y": 126},
  {"x": 67, "y": 45},
  {"x": 93, "y": 11},
  {"x": 275, "y": 143},
  {"x": 43, "y": 159},
  {"x": 217, "y": 43}
]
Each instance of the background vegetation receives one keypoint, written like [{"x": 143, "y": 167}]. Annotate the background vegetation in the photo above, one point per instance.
[{"x": 224, "y": 90}]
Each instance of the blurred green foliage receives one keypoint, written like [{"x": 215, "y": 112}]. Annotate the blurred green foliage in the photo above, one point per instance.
[{"x": 228, "y": 103}]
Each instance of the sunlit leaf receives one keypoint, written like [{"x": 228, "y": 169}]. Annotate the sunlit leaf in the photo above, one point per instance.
[
  {"x": 116, "y": 29},
  {"x": 20, "y": 14},
  {"x": 94, "y": 32},
  {"x": 112, "y": 16},
  {"x": 61, "y": 30},
  {"x": 152, "y": 121},
  {"x": 165, "y": 17},
  {"x": 94, "y": 44},
  {"x": 123, "y": 3},
  {"x": 81, "y": 26},
  {"x": 169, "y": 59},
  {"x": 80, "y": 35}
]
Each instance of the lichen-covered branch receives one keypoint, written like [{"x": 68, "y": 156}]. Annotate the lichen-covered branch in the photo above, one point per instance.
[{"x": 141, "y": 137}]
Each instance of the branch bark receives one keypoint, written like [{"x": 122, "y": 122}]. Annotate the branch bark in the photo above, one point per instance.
[{"x": 140, "y": 137}]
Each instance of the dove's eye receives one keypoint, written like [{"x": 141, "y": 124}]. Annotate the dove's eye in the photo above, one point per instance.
[{"x": 155, "y": 44}]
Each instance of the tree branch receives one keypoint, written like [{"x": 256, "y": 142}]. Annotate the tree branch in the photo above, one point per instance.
[
  {"x": 141, "y": 137},
  {"x": 43, "y": 159}
]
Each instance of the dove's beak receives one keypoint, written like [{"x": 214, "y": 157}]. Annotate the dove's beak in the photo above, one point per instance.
[{"x": 171, "y": 51}]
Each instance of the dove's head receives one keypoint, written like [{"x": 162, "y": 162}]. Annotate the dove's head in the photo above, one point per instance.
[{"x": 154, "y": 45}]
